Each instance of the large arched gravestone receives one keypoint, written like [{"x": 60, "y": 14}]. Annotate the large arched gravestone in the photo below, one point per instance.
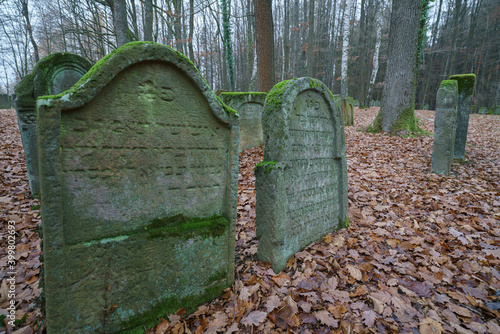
[
  {"x": 51, "y": 75},
  {"x": 249, "y": 106},
  {"x": 139, "y": 171},
  {"x": 302, "y": 183}
]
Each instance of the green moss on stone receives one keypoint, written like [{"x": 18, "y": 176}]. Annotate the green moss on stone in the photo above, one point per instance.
[
  {"x": 448, "y": 83},
  {"x": 266, "y": 165},
  {"x": 465, "y": 82},
  {"x": 345, "y": 223},
  {"x": 273, "y": 99},
  {"x": 405, "y": 124},
  {"x": 230, "y": 111},
  {"x": 185, "y": 228},
  {"x": 137, "y": 323},
  {"x": 314, "y": 83}
]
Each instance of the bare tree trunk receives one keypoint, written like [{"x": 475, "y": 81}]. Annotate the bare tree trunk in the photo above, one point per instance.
[
  {"x": 286, "y": 41},
  {"x": 310, "y": 43},
  {"x": 397, "y": 113},
  {"x": 133, "y": 13},
  {"x": 361, "y": 69},
  {"x": 345, "y": 50},
  {"x": 120, "y": 20},
  {"x": 148, "y": 20},
  {"x": 265, "y": 44},
  {"x": 29, "y": 28},
  {"x": 378, "y": 24},
  {"x": 191, "y": 29}
]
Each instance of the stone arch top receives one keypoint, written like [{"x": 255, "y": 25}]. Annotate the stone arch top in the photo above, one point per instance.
[
  {"x": 103, "y": 72},
  {"x": 277, "y": 116},
  {"x": 41, "y": 80}
]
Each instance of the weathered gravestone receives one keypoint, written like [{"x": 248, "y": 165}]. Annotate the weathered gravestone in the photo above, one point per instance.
[
  {"x": 51, "y": 75},
  {"x": 302, "y": 183},
  {"x": 445, "y": 123},
  {"x": 249, "y": 106},
  {"x": 465, "y": 90},
  {"x": 5, "y": 101},
  {"x": 138, "y": 174},
  {"x": 348, "y": 111}
]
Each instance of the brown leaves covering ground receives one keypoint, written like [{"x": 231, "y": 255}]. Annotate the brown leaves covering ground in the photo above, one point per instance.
[{"x": 421, "y": 255}]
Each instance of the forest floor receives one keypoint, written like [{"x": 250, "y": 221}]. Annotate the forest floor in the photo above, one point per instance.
[{"x": 421, "y": 255}]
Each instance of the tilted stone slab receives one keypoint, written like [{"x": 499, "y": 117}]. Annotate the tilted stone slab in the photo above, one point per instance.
[
  {"x": 5, "y": 101},
  {"x": 445, "y": 123},
  {"x": 249, "y": 107},
  {"x": 302, "y": 183},
  {"x": 51, "y": 75},
  {"x": 139, "y": 170},
  {"x": 465, "y": 90},
  {"x": 348, "y": 111}
]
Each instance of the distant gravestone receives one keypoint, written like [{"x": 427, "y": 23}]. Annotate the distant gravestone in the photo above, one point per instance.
[
  {"x": 348, "y": 111},
  {"x": 465, "y": 90},
  {"x": 302, "y": 183},
  {"x": 5, "y": 101},
  {"x": 51, "y": 75},
  {"x": 482, "y": 110},
  {"x": 138, "y": 174},
  {"x": 445, "y": 123},
  {"x": 249, "y": 107}
]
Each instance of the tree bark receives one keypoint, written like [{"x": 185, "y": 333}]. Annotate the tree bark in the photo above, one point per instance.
[
  {"x": 121, "y": 25},
  {"x": 265, "y": 44},
  {"x": 148, "y": 20},
  {"x": 397, "y": 114},
  {"x": 310, "y": 42},
  {"x": 361, "y": 95},
  {"x": 29, "y": 28},
  {"x": 345, "y": 51}
]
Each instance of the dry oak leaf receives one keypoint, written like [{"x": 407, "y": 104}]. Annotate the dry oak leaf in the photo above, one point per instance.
[
  {"x": 162, "y": 326},
  {"x": 369, "y": 318},
  {"x": 282, "y": 279},
  {"x": 430, "y": 326},
  {"x": 462, "y": 311},
  {"x": 339, "y": 241},
  {"x": 254, "y": 318},
  {"x": 354, "y": 272},
  {"x": 272, "y": 303},
  {"x": 325, "y": 318},
  {"x": 378, "y": 305}
]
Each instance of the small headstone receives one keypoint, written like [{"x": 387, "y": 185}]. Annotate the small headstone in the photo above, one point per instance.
[
  {"x": 465, "y": 90},
  {"x": 302, "y": 183},
  {"x": 5, "y": 101},
  {"x": 444, "y": 127},
  {"x": 138, "y": 174},
  {"x": 249, "y": 107},
  {"x": 482, "y": 110},
  {"x": 51, "y": 75},
  {"x": 348, "y": 111}
]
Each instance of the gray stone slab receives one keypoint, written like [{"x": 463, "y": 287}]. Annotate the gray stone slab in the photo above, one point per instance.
[
  {"x": 465, "y": 90},
  {"x": 5, "y": 102},
  {"x": 138, "y": 171},
  {"x": 302, "y": 183},
  {"x": 249, "y": 106},
  {"x": 348, "y": 111},
  {"x": 445, "y": 123},
  {"x": 52, "y": 75}
]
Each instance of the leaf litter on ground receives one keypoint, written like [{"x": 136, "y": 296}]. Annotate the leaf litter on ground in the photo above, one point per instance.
[{"x": 422, "y": 250}]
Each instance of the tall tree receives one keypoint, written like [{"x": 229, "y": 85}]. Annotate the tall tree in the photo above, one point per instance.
[
  {"x": 310, "y": 42},
  {"x": 29, "y": 28},
  {"x": 397, "y": 114},
  {"x": 345, "y": 50},
  {"x": 264, "y": 29},
  {"x": 228, "y": 45},
  {"x": 148, "y": 20}
]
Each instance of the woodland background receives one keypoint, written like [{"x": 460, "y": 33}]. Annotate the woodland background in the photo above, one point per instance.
[{"x": 461, "y": 36}]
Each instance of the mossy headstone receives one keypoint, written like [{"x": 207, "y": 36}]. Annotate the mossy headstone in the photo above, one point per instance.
[
  {"x": 348, "y": 111},
  {"x": 51, "y": 75},
  {"x": 465, "y": 90},
  {"x": 445, "y": 123},
  {"x": 5, "y": 101},
  {"x": 138, "y": 171},
  {"x": 249, "y": 107},
  {"x": 302, "y": 183}
]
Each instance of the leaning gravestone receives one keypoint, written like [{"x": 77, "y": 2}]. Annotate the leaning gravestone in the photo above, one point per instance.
[
  {"x": 465, "y": 90},
  {"x": 138, "y": 175},
  {"x": 249, "y": 106},
  {"x": 348, "y": 111},
  {"x": 51, "y": 75},
  {"x": 444, "y": 127},
  {"x": 302, "y": 183}
]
